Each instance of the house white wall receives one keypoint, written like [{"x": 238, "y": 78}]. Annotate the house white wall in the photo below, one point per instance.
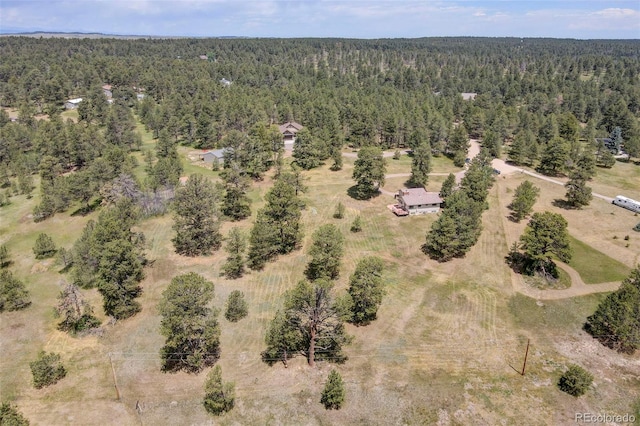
[{"x": 423, "y": 209}]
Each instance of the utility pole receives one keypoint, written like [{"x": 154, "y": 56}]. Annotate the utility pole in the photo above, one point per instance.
[
  {"x": 115, "y": 382},
  {"x": 524, "y": 365}
]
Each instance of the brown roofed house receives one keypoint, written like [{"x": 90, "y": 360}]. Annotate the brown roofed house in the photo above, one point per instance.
[
  {"x": 418, "y": 201},
  {"x": 289, "y": 130}
]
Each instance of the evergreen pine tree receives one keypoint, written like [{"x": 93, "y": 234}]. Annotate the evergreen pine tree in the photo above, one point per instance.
[
  {"x": 13, "y": 293},
  {"x": 44, "y": 247},
  {"x": 236, "y": 246},
  {"x": 47, "y": 370},
  {"x": 523, "y": 200},
  {"x": 196, "y": 222},
  {"x": 333, "y": 394},
  {"x": 219, "y": 397},
  {"x": 236, "y": 306}
]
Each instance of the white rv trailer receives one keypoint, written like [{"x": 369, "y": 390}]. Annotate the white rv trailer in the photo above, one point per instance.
[{"x": 627, "y": 203}]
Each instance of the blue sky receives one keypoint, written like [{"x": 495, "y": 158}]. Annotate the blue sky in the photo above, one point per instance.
[{"x": 327, "y": 18}]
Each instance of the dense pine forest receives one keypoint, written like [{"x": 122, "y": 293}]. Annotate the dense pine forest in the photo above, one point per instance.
[{"x": 111, "y": 192}]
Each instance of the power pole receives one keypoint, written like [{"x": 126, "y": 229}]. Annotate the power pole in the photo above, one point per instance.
[
  {"x": 524, "y": 365},
  {"x": 115, "y": 382}
]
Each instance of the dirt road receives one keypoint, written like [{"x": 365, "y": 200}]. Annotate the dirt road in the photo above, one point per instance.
[{"x": 578, "y": 287}]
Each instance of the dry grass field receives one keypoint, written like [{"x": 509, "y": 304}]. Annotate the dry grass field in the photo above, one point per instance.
[{"x": 444, "y": 350}]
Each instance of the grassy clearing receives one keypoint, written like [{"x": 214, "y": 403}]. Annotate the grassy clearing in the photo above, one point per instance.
[
  {"x": 443, "y": 347},
  {"x": 553, "y": 317},
  {"x": 595, "y": 267},
  {"x": 621, "y": 179}
]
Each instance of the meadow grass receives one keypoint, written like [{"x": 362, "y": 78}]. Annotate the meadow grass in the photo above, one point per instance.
[
  {"x": 442, "y": 345},
  {"x": 594, "y": 266}
]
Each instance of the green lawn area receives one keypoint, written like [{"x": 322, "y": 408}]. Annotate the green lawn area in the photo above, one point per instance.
[
  {"x": 594, "y": 266},
  {"x": 621, "y": 179}
]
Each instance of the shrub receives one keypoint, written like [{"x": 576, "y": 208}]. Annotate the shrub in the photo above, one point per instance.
[
  {"x": 339, "y": 213},
  {"x": 575, "y": 381},
  {"x": 4, "y": 256},
  {"x": 47, "y": 369},
  {"x": 356, "y": 226}
]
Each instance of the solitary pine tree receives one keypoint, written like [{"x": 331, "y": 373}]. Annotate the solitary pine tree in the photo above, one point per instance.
[
  {"x": 119, "y": 274},
  {"x": 236, "y": 306},
  {"x": 523, "y": 200},
  {"x": 196, "y": 218},
  {"x": 333, "y": 393},
  {"x": 366, "y": 290},
  {"x": 310, "y": 324},
  {"x": 44, "y": 247},
  {"x": 616, "y": 321},
  {"x": 578, "y": 193},
  {"x": 545, "y": 236},
  {"x": 421, "y": 165},
  {"x": 368, "y": 172},
  {"x": 190, "y": 327},
  {"x": 236, "y": 246},
  {"x": 336, "y": 156},
  {"x": 356, "y": 225},
  {"x": 263, "y": 243},
  {"x": 326, "y": 252},
  {"x": 277, "y": 229},
  {"x": 339, "y": 213},
  {"x": 219, "y": 397}
]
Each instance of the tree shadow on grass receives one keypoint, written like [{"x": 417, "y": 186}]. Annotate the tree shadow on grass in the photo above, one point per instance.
[
  {"x": 66, "y": 268},
  {"x": 86, "y": 209},
  {"x": 358, "y": 194},
  {"x": 563, "y": 204}
]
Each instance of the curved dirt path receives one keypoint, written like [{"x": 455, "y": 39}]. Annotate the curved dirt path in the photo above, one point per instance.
[{"x": 578, "y": 287}]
